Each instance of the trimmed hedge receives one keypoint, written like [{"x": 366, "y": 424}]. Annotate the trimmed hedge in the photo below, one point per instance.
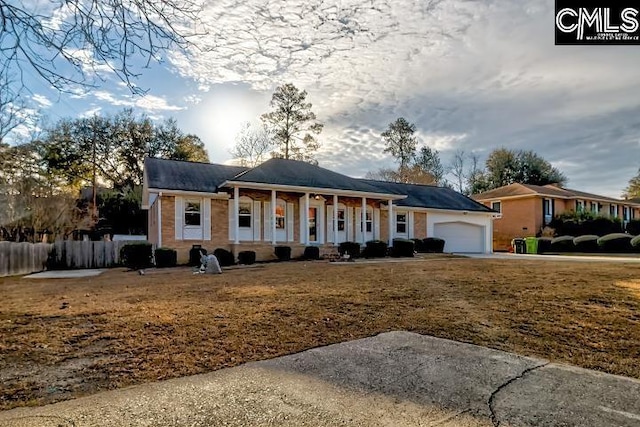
[
  {"x": 166, "y": 257},
  {"x": 582, "y": 224},
  {"x": 402, "y": 248},
  {"x": 311, "y": 252},
  {"x": 433, "y": 245},
  {"x": 633, "y": 227},
  {"x": 136, "y": 256},
  {"x": 615, "y": 243},
  {"x": 418, "y": 246},
  {"x": 563, "y": 244},
  {"x": 586, "y": 243},
  {"x": 283, "y": 253},
  {"x": 352, "y": 248},
  {"x": 375, "y": 249},
  {"x": 195, "y": 255},
  {"x": 225, "y": 258},
  {"x": 635, "y": 243},
  {"x": 247, "y": 257},
  {"x": 544, "y": 244}
]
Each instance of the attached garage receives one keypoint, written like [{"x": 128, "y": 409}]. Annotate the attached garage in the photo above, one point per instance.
[{"x": 460, "y": 236}]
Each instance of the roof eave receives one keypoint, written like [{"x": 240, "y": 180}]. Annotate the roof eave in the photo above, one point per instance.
[{"x": 302, "y": 189}]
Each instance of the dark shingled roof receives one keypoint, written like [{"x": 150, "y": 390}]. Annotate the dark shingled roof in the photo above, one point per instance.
[
  {"x": 302, "y": 174},
  {"x": 429, "y": 196},
  {"x": 188, "y": 176}
]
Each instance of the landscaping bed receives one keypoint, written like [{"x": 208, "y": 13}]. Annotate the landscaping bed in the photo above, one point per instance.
[{"x": 64, "y": 338}]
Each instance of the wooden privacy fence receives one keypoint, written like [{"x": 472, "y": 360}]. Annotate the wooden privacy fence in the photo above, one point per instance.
[
  {"x": 75, "y": 254},
  {"x": 23, "y": 258}
]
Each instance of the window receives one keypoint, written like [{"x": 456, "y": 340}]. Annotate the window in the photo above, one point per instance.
[
  {"x": 341, "y": 217},
  {"x": 594, "y": 207},
  {"x": 244, "y": 214},
  {"x": 369, "y": 222},
  {"x": 281, "y": 218},
  {"x": 613, "y": 211},
  {"x": 497, "y": 206},
  {"x": 192, "y": 213},
  {"x": 401, "y": 223},
  {"x": 579, "y": 206}
]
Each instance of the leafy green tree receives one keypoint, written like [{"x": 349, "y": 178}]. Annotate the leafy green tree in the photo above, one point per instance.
[
  {"x": 292, "y": 124},
  {"x": 633, "y": 189},
  {"x": 400, "y": 141},
  {"x": 504, "y": 167}
]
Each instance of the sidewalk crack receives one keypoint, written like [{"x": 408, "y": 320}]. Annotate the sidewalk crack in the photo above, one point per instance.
[{"x": 491, "y": 401}]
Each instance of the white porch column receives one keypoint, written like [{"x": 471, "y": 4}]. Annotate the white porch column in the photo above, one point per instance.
[
  {"x": 390, "y": 222},
  {"x": 160, "y": 219},
  {"x": 364, "y": 220},
  {"x": 273, "y": 217},
  {"x": 236, "y": 207},
  {"x": 335, "y": 220},
  {"x": 306, "y": 218}
]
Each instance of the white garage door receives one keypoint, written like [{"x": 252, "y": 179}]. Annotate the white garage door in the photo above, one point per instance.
[{"x": 460, "y": 236}]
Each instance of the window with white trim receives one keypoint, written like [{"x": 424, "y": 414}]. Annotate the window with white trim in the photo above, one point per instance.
[
  {"x": 192, "y": 213},
  {"x": 613, "y": 211},
  {"x": 496, "y": 206},
  {"x": 341, "y": 219},
  {"x": 401, "y": 223},
  {"x": 244, "y": 214},
  {"x": 594, "y": 207},
  {"x": 579, "y": 206},
  {"x": 281, "y": 214}
]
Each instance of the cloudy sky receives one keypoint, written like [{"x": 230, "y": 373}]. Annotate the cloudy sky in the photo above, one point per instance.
[{"x": 472, "y": 75}]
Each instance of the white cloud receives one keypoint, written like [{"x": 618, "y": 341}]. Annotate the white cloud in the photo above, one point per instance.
[{"x": 42, "y": 100}]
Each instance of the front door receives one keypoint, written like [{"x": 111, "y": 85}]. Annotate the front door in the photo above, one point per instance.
[{"x": 313, "y": 229}]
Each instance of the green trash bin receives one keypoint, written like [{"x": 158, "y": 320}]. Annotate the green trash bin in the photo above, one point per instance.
[{"x": 532, "y": 245}]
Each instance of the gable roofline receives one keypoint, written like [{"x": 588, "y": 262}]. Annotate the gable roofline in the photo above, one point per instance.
[{"x": 529, "y": 190}]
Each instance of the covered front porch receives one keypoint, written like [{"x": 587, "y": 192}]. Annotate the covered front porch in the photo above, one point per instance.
[{"x": 276, "y": 215}]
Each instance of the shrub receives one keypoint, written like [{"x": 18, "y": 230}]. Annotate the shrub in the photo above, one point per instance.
[
  {"x": 433, "y": 244},
  {"x": 195, "y": 253},
  {"x": 586, "y": 243},
  {"x": 375, "y": 249},
  {"x": 283, "y": 253},
  {"x": 615, "y": 243},
  {"x": 563, "y": 244},
  {"x": 225, "y": 258},
  {"x": 136, "y": 255},
  {"x": 352, "y": 248},
  {"x": 402, "y": 248},
  {"x": 633, "y": 227},
  {"x": 418, "y": 246},
  {"x": 544, "y": 244},
  {"x": 583, "y": 223},
  {"x": 166, "y": 257},
  {"x": 311, "y": 252},
  {"x": 247, "y": 257},
  {"x": 635, "y": 243}
]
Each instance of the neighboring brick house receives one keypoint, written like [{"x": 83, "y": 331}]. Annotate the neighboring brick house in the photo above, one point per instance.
[
  {"x": 526, "y": 209},
  {"x": 292, "y": 203}
]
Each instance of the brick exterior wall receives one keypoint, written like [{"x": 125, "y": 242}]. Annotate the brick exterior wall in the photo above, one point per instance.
[
  {"x": 419, "y": 225},
  {"x": 520, "y": 218}
]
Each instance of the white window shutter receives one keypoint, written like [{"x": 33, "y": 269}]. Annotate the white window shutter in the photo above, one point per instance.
[
  {"x": 290, "y": 222},
  {"x": 376, "y": 224},
  {"x": 232, "y": 221},
  {"x": 256, "y": 223},
  {"x": 267, "y": 221},
  {"x": 179, "y": 217},
  {"x": 330, "y": 224},
  {"x": 410, "y": 225},
  {"x": 206, "y": 212},
  {"x": 350, "y": 235}
]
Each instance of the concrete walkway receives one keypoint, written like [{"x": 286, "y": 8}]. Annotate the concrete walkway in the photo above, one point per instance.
[{"x": 393, "y": 379}]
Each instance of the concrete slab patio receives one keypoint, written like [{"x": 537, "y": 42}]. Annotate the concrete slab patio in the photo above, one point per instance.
[
  {"x": 66, "y": 274},
  {"x": 393, "y": 379}
]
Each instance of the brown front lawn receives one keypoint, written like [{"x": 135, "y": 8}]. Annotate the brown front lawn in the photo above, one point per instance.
[{"x": 68, "y": 337}]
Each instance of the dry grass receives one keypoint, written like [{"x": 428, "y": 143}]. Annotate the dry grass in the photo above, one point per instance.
[{"x": 120, "y": 328}]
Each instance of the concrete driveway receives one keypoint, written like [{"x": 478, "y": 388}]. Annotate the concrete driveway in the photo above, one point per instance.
[
  {"x": 628, "y": 258},
  {"x": 393, "y": 379}
]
